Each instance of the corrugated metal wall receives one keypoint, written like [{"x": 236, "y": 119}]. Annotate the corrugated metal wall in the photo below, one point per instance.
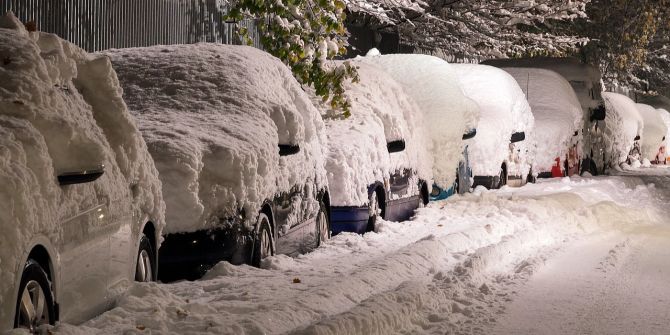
[{"x": 104, "y": 24}]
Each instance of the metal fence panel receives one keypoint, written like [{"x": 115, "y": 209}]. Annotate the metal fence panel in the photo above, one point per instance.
[{"x": 105, "y": 24}]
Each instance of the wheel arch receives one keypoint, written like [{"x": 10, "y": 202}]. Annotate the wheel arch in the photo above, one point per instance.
[{"x": 378, "y": 188}]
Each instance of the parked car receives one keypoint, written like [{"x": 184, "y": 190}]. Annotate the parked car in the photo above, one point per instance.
[
  {"x": 81, "y": 210},
  {"x": 624, "y": 128},
  {"x": 240, "y": 151},
  {"x": 377, "y": 162},
  {"x": 448, "y": 114},
  {"x": 586, "y": 81},
  {"x": 558, "y": 121},
  {"x": 654, "y": 133},
  {"x": 498, "y": 155}
]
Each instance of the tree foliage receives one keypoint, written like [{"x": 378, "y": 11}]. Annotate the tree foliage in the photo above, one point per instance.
[{"x": 305, "y": 35}]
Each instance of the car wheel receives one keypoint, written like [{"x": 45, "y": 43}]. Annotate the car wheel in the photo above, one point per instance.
[
  {"x": 502, "y": 177},
  {"x": 322, "y": 225},
  {"x": 374, "y": 210},
  {"x": 424, "y": 197},
  {"x": 144, "y": 272},
  {"x": 263, "y": 246},
  {"x": 34, "y": 305}
]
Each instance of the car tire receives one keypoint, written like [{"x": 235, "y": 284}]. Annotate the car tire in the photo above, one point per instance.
[
  {"x": 375, "y": 210},
  {"x": 34, "y": 304},
  {"x": 322, "y": 225},
  {"x": 264, "y": 243},
  {"x": 145, "y": 268},
  {"x": 502, "y": 177}
]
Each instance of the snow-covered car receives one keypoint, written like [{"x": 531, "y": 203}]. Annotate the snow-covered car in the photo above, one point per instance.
[
  {"x": 240, "y": 151},
  {"x": 499, "y": 154},
  {"x": 586, "y": 81},
  {"x": 664, "y": 156},
  {"x": 450, "y": 117},
  {"x": 654, "y": 133},
  {"x": 624, "y": 128},
  {"x": 81, "y": 210},
  {"x": 556, "y": 148},
  {"x": 377, "y": 162}
]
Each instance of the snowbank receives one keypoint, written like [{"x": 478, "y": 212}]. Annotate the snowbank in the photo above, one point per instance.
[
  {"x": 61, "y": 111},
  {"x": 213, "y": 117},
  {"x": 557, "y": 112},
  {"x": 504, "y": 111},
  {"x": 624, "y": 123},
  {"x": 381, "y": 112},
  {"x": 433, "y": 84},
  {"x": 654, "y": 131}
]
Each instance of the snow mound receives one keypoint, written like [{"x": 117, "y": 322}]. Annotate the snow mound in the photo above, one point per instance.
[
  {"x": 61, "y": 111},
  {"x": 654, "y": 131},
  {"x": 358, "y": 157},
  {"x": 624, "y": 123},
  {"x": 557, "y": 112},
  {"x": 504, "y": 111},
  {"x": 213, "y": 117},
  {"x": 433, "y": 84}
]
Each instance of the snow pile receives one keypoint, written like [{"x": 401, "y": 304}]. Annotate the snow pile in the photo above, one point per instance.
[
  {"x": 61, "y": 111},
  {"x": 213, "y": 117},
  {"x": 433, "y": 84},
  {"x": 504, "y": 111},
  {"x": 381, "y": 112},
  {"x": 448, "y": 270},
  {"x": 654, "y": 131},
  {"x": 624, "y": 123},
  {"x": 557, "y": 112}
]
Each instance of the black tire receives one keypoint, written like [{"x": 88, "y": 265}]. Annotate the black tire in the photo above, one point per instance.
[
  {"x": 531, "y": 179},
  {"x": 503, "y": 176},
  {"x": 145, "y": 269},
  {"x": 323, "y": 232},
  {"x": 34, "y": 287},
  {"x": 375, "y": 198},
  {"x": 264, "y": 243}
]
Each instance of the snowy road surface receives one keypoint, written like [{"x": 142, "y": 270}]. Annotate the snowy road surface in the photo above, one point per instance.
[{"x": 564, "y": 256}]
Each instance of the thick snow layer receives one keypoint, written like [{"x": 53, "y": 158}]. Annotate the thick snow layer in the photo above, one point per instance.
[
  {"x": 213, "y": 117},
  {"x": 624, "y": 123},
  {"x": 452, "y": 269},
  {"x": 61, "y": 111},
  {"x": 557, "y": 112},
  {"x": 447, "y": 112},
  {"x": 654, "y": 131},
  {"x": 381, "y": 112},
  {"x": 504, "y": 111},
  {"x": 585, "y": 79}
]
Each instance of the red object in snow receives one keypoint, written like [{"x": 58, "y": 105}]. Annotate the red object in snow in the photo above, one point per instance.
[{"x": 556, "y": 169}]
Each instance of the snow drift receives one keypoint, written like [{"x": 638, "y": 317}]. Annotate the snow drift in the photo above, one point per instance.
[
  {"x": 654, "y": 131},
  {"x": 557, "y": 112},
  {"x": 357, "y": 157},
  {"x": 433, "y": 84},
  {"x": 504, "y": 111},
  {"x": 213, "y": 117},
  {"x": 61, "y": 111},
  {"x": 624, "y": 124}
]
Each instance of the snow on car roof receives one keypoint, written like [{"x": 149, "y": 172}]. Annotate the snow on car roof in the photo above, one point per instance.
[
  {"x": 433, "y": 84},
  {"x": 213, "y": 116},
  {"x": 504, "y": 110},
  {"x": 624, "y": 123},
  {"x": 557, "y": 112},
  {"x": 654, "y": 130},
  {"x": 381, "y": 112}
]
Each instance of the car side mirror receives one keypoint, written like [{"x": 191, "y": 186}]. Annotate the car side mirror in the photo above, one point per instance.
[
  {"x": 396, "y": 146},
  {"x": 518, "y": 137},
  {"x": 470, "y": 134},
  {"x": 599, "y": 113},
  {"x": 288, "y": 149},
  {"x": 81, "y": 177},
  {"x": 637, "y": 138}
]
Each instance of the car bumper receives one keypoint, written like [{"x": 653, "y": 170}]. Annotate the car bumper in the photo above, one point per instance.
[
  {"x": 490, "y": 182},
  {"x": 190, "y": 255},
  {"x": 349, "y": 219}
]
